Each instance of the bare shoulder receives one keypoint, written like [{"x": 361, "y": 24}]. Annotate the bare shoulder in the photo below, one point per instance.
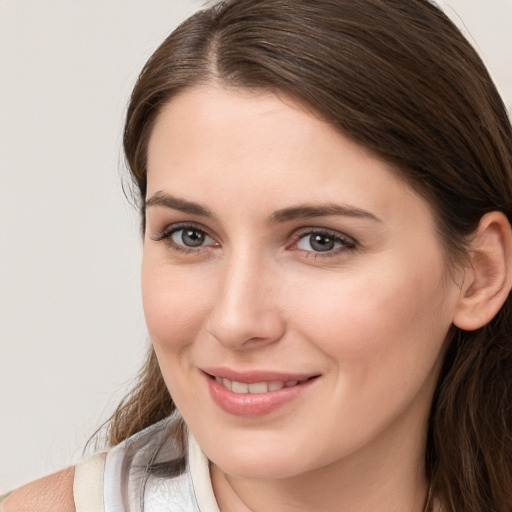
[{"x": 53, "y": 493}]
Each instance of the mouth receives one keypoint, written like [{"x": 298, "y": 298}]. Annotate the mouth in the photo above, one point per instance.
[
  {"x": 257, "y": 387},
  {"x": 258, "y": 393}
]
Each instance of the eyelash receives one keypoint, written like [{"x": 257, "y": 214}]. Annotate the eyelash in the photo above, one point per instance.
[
  {"x": 166, "y": 236},
  {"x": 347, "y": 243}
]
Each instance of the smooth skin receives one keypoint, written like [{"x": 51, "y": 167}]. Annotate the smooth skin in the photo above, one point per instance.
[
  {"x": 246, "y": 191},
  {"x": 53, "y": 493},
  {"x": 242, "y": 269}
]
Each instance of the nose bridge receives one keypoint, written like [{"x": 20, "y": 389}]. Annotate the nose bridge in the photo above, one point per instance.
[{"x": 245, "y": 309}]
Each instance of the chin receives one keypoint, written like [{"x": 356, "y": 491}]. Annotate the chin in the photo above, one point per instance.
[
  {"x": 260, "y": 456},
  {"x": 258, "y": 468}
]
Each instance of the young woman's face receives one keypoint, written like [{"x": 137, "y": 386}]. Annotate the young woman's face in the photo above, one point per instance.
[{"x": 295, "y": 290}]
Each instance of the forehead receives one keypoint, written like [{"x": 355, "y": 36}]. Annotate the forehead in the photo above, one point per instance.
[
  {"x": 237, "y": 147},
  {"x": 243, "y": 121}
]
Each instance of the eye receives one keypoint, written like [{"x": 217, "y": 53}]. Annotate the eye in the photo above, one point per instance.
[
  {"x": 190, "y": 237},
  {"x": 323, "y": 242},
  {"x": 185, "y": 238}
]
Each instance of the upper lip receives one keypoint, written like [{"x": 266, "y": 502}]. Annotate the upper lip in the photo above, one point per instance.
[{"x": 253, "y": 376}]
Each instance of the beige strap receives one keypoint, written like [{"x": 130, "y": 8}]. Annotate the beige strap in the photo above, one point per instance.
[
  {"x": 88, "y": 484},
  {"x": 200, "y": 473}
]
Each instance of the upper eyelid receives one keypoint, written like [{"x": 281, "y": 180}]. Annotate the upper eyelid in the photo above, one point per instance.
[
  {"x": 326, "y": 231},
  {"x": 176, "y": 226}
]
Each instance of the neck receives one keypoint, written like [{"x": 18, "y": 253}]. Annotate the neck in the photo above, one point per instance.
[{"x": 390, "y": 494}]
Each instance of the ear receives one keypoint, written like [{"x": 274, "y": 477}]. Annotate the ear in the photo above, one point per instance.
[{"x": 488, "y": 276}]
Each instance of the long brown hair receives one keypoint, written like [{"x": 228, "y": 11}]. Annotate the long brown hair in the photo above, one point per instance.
[{"x": 397, "y": 77}]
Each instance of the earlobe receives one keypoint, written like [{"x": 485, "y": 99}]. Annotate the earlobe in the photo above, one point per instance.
[{"x": 488, "y": 278}]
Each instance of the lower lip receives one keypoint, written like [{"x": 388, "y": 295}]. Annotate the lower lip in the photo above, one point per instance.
[{"x": 252, "y": 405}]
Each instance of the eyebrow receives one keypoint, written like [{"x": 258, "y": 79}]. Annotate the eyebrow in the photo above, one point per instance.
[
  {"x": 322, "y": 210},
  {"x": 162, "y": 199},
  {"x": 280, "y": 216}
]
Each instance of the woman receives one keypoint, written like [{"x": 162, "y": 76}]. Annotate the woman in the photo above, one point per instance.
[{"x": 325, "y": 192}]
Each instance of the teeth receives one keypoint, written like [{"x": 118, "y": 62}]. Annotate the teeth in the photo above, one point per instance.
[
  {"x": 227, "y": 383},
  {"x": 275, "y": 385},
  {"x": 239, "y": 387},
  {"x": 256, "y": 387}
]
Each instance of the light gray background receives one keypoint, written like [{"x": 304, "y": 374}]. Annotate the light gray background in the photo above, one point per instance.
[{"x": 72, "y": 331}]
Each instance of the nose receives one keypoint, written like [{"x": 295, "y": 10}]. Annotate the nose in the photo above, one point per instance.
[{"x": 245, "y": 313}]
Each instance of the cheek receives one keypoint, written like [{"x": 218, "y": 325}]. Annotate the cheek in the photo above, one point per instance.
[
  {"x": 383, "y": 338},
  {"x": 174, "y": 305},
  {"x": 386, "y": 321},
  {"x": 174, "y": 308}
]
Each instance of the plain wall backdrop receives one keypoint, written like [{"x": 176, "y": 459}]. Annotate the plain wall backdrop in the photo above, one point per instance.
[{"x": 72, "y": 331}]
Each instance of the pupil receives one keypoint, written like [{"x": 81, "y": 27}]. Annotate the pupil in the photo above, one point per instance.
[
  {"x": 192, "y": 237},
  {"x": 321, "y": 243}
]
